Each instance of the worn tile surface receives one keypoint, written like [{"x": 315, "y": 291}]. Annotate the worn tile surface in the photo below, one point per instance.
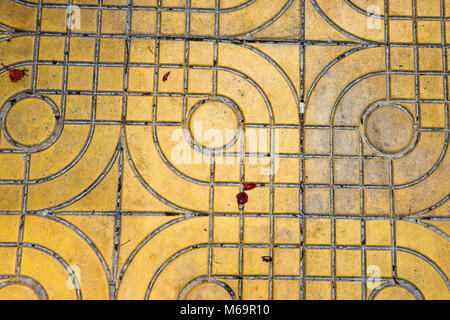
[{"x": 118, "y": 179}]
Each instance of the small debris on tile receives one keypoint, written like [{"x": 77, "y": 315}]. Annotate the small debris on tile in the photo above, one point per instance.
[
  {"x": 166, "y": 76},
  {"x": 15, "y": 74},
  {"x": 249, "y": 186},
  {"x": 267, "y": 259},
  {"x": 242, "y": 198}
]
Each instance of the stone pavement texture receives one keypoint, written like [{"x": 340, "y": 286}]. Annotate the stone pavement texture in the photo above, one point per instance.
[{"x": 128, "y": 127}]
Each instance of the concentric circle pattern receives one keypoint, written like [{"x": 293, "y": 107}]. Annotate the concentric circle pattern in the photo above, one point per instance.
[
  {"x": 213, "y": 125},
  {"x": 124, "y": 145},
  {"x": 389, "y": 129},
  {"x": 31, "y": 122}
]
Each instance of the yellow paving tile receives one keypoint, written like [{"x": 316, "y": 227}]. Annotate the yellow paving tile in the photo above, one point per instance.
[{"x": 130, "y": 133}]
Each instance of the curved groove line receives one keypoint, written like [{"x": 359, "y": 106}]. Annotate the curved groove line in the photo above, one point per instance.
[
  {"x": 426, "y": 259},
  {"x": 366, "y": 76},
  {"x": 429, "y": 172},
  {"x": 206, "y": 245},
  {"x": 150, "y": 189},
  {"x": 35, "y": 286},
  {"x": 74, "y": 161},
  {"x": 201, "y": 280},
  {"x": 434, "y": 229},
  {"x": 362, "y": 11},
  {"x": 328, "y": 67},
  {"x": 88, "y": 240},
  {"x": 278, "y": 68},
  {"x": 435, "y": 206},
  {"x": 411, "y": 288},
  {"x": 161, "y": 268},
  {"x": 268, "y": 23},
  {"x": 105, "y": 7},
  {"x": 350, "y": 86},
  {"x": 193, "y": 180}
]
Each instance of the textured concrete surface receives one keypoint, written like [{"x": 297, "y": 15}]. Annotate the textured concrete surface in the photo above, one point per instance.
[{"x": 128, "y": 127}]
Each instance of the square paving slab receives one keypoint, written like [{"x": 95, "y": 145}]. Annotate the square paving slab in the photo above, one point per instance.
[{"x": 224, "y": 149}]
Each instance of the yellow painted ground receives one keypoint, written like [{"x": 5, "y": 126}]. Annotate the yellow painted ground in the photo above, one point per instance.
[{"x": 129, "y": 127}]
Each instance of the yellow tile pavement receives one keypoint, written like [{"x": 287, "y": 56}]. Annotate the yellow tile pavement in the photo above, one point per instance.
[{"x": 129, "y": 129}]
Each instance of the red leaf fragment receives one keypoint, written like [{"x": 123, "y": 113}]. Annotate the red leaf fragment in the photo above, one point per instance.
[
  {"x": 166, "y": 76},
  {"x": 242, "y": 198},
  {"x": 249, "y": 186},
  {"x": 15, "y": 74}
]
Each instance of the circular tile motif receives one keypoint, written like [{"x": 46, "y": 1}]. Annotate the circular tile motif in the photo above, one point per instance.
[
  {"x": 204, "y": 289},
  {"x": 394, "y": 293},
  {"x": 21, "y": 287}
]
